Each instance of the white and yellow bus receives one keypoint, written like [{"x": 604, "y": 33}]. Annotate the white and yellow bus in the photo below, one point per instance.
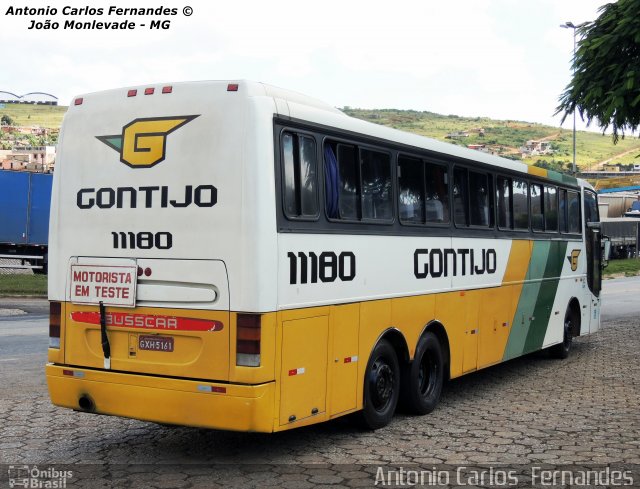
[{"x": 236, "y": 256}]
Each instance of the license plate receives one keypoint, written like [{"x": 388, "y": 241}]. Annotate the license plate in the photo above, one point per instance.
[{"x": 155, "y": 343}]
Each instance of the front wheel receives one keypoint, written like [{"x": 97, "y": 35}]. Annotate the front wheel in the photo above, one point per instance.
[
  {"x": 425, "y": 376},
  {"x": 562, "y": 350},
  {"x": 381, "y": 386}
]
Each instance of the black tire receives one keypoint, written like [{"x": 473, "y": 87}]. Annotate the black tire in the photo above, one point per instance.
[
  {"x": 424, "y": 377},
  {"x": 562, "y": 350},
  {"x": 381, "y": 387}
]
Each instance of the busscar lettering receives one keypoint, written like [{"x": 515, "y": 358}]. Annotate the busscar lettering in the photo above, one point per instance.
[
  {"x": 448, "y": 261},
  {"x": 147, "y": 197}
]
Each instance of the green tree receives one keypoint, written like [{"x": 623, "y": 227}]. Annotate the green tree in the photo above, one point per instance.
[
  {"x": 606, "y": 83},
  {"x": 6, "y": 120}
]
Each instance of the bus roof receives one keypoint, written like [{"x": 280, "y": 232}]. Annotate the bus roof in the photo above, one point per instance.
[{"x": 305, "y": 108}]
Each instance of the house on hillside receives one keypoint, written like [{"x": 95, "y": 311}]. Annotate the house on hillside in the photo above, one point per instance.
[
  {"x": 457, "y": 135},
  {"x": 536, "y": 148}
]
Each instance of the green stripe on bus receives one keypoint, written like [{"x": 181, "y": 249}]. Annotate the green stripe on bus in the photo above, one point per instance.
[
  {"x": 561, "y": 178},
  {"x": 546, "y": 296},
  {"x": 528, "y": 299}
]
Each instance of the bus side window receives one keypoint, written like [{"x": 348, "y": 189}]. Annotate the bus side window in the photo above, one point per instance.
[
  {"x": 562, "y": 212},
  {"x": 480, "y": 199},
  {"x": 375, "y": 168},
  {"x": 299, "y": 164},
  {"x": 520, "y": 204},
  {"x": 411, "y": 193},
  {"x": 574, "y": 212},
  {"x": 503, "y": 196},
  {"x": 550, "y": 209},
  {"x": 349, "y": 182},
  {"x": 590, "y": 207},
  {"x": 460, "y": 196},
  {"x": 437, "y": 193},
  {"x": 537, "y": 217}
]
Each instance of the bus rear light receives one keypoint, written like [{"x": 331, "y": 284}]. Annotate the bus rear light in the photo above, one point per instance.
[
  {"x": 167, "y": 89},
  {"x": 54, "y": 324},
  {"x": 132, "y": 93},
  {"x": 149, "y": 91},
  {"x": 232, "y": 87},
  {"x": 147, "y": 272},
  {"x": 248, "y": 331},
  {"x": 140, "y": 271},
  {"x": 78, "y": 101}
]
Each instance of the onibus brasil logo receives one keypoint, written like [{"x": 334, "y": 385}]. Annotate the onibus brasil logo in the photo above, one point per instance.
[{"x": 143, "y": 142}]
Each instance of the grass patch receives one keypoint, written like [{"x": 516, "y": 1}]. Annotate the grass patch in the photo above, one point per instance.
[
  {"x": 35, "y": 115},
  {"x": 508, "y": 136},
  {"x": 629, "y": 267},
  {"x": 13, "y": 285}
]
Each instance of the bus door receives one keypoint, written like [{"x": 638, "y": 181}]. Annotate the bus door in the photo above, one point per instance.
[{"x": 593, "y": 238}]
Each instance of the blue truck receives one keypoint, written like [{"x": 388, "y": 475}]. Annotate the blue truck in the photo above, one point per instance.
[{"x": 25, "y": 199}]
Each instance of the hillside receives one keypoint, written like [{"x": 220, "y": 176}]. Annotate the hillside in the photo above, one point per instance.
[
  {"x": 35, "y": 115},
  {"x": 506, "y": 137},
  {"x": 502, "y": 137}
]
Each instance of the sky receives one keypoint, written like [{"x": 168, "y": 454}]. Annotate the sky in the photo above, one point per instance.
[{"x": 504, "y": 59}]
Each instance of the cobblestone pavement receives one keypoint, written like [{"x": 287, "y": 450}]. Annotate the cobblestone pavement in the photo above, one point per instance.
[{"x": 533, "y": 410}]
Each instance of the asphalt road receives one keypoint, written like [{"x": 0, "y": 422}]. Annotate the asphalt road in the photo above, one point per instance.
[{"x": 532, "y": 410}]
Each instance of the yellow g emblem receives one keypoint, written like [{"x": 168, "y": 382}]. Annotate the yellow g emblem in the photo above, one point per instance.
[
  {"x": 143, "y": 142},
  {"x": 573, "y": 259}
]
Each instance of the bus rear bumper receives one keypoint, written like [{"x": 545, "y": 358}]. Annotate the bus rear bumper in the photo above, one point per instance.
[{"x": 163, "y": 400}]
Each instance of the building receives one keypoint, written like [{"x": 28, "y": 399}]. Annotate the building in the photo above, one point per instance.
[
  {"x": 30, "y": 158},
  {"x": 536, "y": 148}
]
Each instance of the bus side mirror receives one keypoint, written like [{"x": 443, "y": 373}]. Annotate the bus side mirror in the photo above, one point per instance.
[{"x": 606, "y": 250}]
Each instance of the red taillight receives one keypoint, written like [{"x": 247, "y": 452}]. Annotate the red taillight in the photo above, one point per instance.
[
  {"x": 78, "y": 101},
  {"x": 140, "y": 271},
  {"x": 54, "y": 324},
  {"x": 132, "y": 93},
  {"x": 232, "y": 87},
  {"x": 167, "y": 89},
  {"x": 248, "y": 332},
  {"x": 147, "y": 272},
  {"x": 149, "y": 91}
]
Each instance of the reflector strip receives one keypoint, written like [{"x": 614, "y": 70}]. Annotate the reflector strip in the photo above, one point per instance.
[
  {"x": 351, "y": 359},
  {"x": 296, "y": 371},
  {"x": 73, "y": 373},
  {"x": 212, "y": 388},
  {"x": 148, "y": 321}
]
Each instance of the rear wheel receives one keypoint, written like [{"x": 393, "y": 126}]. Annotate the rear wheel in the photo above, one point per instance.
[
  {"x": 562, "y": 350},
  {"x": 381, "y": 386},
  {"x": 424, "y": 376}
]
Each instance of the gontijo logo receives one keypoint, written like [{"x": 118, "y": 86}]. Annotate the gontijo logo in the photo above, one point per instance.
[
  {"x": 143, "y": 142},
  {"x": 573, "y": 259}
]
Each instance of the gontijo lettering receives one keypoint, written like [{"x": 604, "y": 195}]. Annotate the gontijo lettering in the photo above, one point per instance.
[{"x": 448, "y": 261}]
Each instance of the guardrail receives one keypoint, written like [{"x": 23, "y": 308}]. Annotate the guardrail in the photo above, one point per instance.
[{"x": 25, "y": 261}]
